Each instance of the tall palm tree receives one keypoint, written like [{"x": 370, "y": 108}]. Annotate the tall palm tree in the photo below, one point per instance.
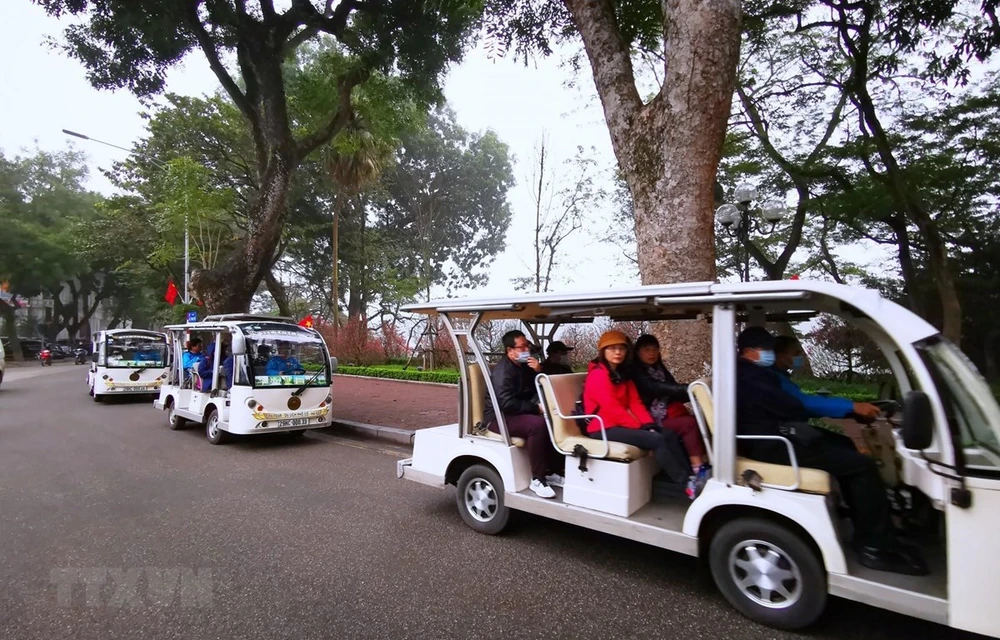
[{"x": 354, "y": 160}]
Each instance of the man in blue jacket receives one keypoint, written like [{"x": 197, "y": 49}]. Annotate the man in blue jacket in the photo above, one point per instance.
[{"x": 788, "y": 356}]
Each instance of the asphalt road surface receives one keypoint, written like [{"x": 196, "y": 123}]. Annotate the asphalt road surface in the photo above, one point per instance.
[{"x": 113, "y": 526}]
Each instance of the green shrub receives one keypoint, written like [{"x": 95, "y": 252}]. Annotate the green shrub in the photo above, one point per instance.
[
  {"x": 446, "y": 377},
  {"x": 856, "y": 391}
]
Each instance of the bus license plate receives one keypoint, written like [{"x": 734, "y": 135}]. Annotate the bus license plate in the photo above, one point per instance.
[{"x": 294, "y": 422}]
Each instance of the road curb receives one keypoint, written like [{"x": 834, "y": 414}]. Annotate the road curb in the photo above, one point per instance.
[
  {"x": 424, "y": 382},
  {"x": 391, "y": 434}
]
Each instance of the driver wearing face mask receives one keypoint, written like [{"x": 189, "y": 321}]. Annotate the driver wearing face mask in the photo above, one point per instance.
[
  {"x": 764, "y": 408},
  {"x": 788, "y": 356},
  {"x": 557, "y": 362}
]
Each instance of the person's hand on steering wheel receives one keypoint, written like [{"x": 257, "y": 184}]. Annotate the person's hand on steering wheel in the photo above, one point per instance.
[{"x": 865, "y": 411}]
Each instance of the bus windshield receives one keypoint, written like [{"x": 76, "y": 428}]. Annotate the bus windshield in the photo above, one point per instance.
[
  {"x": 968, "y": 400},
  {"x": 282, "y": 355},
  {"x": 131, "y": 350}
]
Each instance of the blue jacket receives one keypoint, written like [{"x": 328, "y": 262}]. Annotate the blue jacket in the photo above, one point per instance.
[
  {"x": 192, "y": 360},
  {"x": 817, "y": 406},
  {"x": 278, "y": 365},
  {"x": 205, "y": 368}
]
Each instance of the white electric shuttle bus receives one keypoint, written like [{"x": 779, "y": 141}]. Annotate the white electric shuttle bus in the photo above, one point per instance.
[
  {"x": 255, "y": 374},
  {"x": 770, "y": 533},
  {"x": 127, "y": 362}
]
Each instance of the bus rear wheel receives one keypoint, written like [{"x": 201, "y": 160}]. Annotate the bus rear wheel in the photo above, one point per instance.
[
  {"x": 768, "y": 573},
  {"x": 480, "y": 500}
]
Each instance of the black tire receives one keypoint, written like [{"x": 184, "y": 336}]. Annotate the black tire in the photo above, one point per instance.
[
  {"x": 781, "y": 550},
  {"x": 295, "y": 435},
  {"x": 174, "y": 421},
  {"x": 97, "y": 398},
  {"x": 213, "y": 432},
  {"x": 490, "y": 515}
]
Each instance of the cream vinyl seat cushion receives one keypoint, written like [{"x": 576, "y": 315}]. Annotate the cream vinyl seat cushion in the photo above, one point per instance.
[
  {"x": 561, "y": 393},
  {"x": 477, "y": 393},
  {"x": 810, "y": 480}
]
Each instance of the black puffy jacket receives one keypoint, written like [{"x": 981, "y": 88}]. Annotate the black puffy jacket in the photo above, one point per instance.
[{"x": 514, "y": 385}]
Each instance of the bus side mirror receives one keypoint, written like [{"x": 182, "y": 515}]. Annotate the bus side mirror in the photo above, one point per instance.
[
  {"x": 333, "y": 364},
  {"x": 918, "y": 421},
  {"x": 93, "y": 357},
  {"x": 239, "y": 345}
]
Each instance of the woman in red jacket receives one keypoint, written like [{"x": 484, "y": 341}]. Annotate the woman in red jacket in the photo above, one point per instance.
[{"x": 608, "y": 393}]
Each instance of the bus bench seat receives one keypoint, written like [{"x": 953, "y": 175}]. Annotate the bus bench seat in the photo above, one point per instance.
[
  {"x": 561, "y": 393},
  {"x": 810, "y": 480}
]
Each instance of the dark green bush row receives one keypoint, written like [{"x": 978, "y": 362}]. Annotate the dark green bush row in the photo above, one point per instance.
[
  {"x": 447, "y": 377},
  {"x": 856, "y": 391}
]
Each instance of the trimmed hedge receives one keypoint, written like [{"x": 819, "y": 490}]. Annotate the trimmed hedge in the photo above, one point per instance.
[
  {"x": 856, "y": 391},
  {"x": 446, "y": 377}
]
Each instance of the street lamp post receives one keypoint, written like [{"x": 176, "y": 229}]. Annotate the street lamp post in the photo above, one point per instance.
[
  {"x": 741, "y": 220},
  {"x": 187, "y": 235}
]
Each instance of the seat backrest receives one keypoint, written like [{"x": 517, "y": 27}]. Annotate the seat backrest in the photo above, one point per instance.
[
  {"x": 561, "y": 392},
  {"x": 701, "y": 392},
  {"x": 477, "y": 394}
]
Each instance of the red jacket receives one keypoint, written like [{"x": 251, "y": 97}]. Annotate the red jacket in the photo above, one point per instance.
[{"x": 619, "y": 405}]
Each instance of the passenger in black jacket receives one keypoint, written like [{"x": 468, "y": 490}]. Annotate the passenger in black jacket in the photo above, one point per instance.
[
  {"x": 514, "y": 385},
  {"x": 764, "y": 408},
  {"x": 665, "y": 398},
  {"x": 557, "y": 359}
]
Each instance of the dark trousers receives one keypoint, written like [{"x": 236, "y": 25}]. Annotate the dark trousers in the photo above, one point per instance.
[
  {"x": 542, "y": 454},
  {"x": 665, "y": 445},
  {"x": 687, "y": 428},
  {"x": 856, "y": 473}
]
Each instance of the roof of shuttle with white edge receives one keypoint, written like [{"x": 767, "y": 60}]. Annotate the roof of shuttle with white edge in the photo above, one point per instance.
[{"x": 904, "y": 325}]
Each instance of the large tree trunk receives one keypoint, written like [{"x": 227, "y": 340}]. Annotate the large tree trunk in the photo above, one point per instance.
[
  {"x": 10, "y": 324},
  {"x": 230, "y": 287},
  {"x": 668, "y": 150},
  {"x": 278, "y": 292}
]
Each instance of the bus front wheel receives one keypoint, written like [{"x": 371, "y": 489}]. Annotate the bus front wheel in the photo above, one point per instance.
[
  {"x": 212, "y": 429},
  {"x": 768, "y": 573},
  {"x": 480, "y": 500},
  {"x": 174, "y": 421}
]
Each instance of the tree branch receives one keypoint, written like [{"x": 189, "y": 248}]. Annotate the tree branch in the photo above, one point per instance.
[
  {"x": 610, "y": 60},
  {"x": 212, "y": 54},
  {"x": 344, "y": 113}
]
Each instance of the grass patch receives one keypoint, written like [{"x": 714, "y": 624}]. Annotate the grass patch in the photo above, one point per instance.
[{"x": 390, "y": 372}]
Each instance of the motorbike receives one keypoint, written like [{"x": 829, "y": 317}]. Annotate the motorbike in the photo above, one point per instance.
[
  {"x": 45, "y": 357},
  {"x": 79, "y": 356}
]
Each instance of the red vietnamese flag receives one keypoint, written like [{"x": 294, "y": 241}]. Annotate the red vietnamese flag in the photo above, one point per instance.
[
  {"x": 171, "y": 295},
  {"x": 794, "y": 277},
  {"x": 306, "y": 322}
]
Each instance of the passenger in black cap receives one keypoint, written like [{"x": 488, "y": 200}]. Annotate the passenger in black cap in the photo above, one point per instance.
[
  {"x": 764, "y": 408},
  {"x": 557, "y": 361}
]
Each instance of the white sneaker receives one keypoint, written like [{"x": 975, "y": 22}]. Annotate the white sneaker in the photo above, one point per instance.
[
  {"x": 555, "y": 480},
  {"x": 541, "y": 489}
]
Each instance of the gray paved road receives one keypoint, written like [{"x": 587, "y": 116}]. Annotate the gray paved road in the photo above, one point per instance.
[{"x": 112, "y": 526}]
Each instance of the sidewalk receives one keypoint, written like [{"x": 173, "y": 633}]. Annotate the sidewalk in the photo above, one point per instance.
[{"x": 393, "y": 403}]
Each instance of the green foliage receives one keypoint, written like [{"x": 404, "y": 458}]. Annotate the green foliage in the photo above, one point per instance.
[
  {"x": 854, "y": 391},
  {"x": 446, "y": 202},
  {"x": 445, "y": 377}
]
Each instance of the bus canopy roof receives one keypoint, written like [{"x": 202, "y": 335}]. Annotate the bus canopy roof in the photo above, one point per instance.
[{"x": 780, "y": 299}]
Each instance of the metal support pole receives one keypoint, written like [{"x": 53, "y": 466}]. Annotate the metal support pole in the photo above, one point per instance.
[{"x": 187, "y": 257}]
